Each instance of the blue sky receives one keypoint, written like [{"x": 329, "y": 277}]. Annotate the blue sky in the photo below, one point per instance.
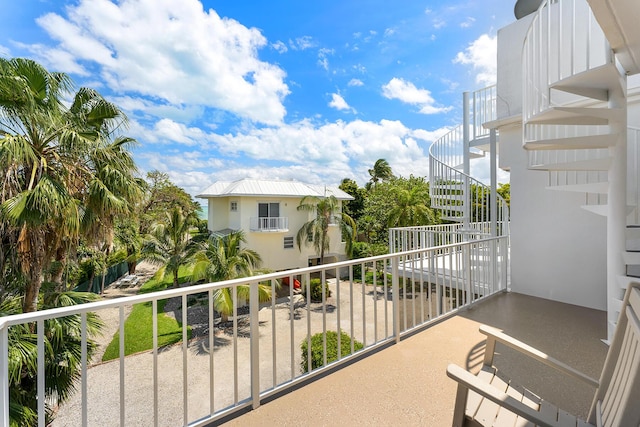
[{"x": 313, "y": 91}]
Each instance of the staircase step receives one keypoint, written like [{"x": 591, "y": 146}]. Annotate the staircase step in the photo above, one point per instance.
[
  {"x": 449, "y": 198},
  {"x": 625, "y": 281},
  {"x": 633, "y": 272},
  {"x": 592, "y": 187},
  {"x": 453, "y": 218},
  {"x": 594, "y": 83},
  {"x": 580, "y": 165},
  {"x": 601, "y": 210},
  {"x": 615, "y": 114},
  {"x": 632, "y": 238},
  {"x": 574, "y": 142},
  {"x": 577, "y": 116},
  {"x": 631, "y": 258},
  {"x": 453, "y": 186},
  {"x": 450, "y": 208}
]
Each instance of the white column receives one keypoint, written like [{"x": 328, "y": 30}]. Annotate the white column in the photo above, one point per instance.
[
  {"x": 494, "y": 181},
  {"x": 617, "y": 210},
  {"x": 465, "y": 161}
]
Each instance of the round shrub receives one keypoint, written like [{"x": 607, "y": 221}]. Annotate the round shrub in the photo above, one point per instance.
[
  {"x": 317, "y": 352},
  {"x": 316, "y": 290}
]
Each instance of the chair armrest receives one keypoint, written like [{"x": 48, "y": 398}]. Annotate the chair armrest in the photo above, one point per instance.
[
  {"x": 471, "y": 382},
  {"x": 495, "y": 335}
]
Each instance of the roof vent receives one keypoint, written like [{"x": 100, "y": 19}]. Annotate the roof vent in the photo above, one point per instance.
[{"x": 526, "y": 7}]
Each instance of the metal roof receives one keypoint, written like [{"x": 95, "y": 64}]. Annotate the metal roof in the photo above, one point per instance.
[{"x": 260, "y": 187}]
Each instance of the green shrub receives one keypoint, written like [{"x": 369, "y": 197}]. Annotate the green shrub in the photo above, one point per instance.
[
  {"x": 317, "y": 352},
  {"x": 316, "y": 290}
]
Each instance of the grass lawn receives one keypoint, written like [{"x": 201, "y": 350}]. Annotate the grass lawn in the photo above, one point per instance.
[{"x": 138, "y": 326}]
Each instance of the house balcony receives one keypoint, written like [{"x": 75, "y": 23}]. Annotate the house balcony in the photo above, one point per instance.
[
  {"x": 279, "y": 224},
  {"x": 413, "y": 312}
]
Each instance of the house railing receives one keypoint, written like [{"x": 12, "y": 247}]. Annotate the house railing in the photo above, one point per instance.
[
  {"x": 233, "y": 365},
  {"x": 275, "y": 223}
]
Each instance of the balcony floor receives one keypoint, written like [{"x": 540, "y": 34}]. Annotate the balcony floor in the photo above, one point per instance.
[{"x": 406, "y": 383}]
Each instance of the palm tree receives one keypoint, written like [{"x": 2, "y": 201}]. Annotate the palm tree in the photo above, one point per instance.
[
  {"x": 381, "y": 172},
  {"x": 410, "y": 208},
  {"x": 65, "y": 172},
  {"x": 222, "y": 258},
  {"x": 327, "y": 210},
  {"x": 169, "y": 244}
]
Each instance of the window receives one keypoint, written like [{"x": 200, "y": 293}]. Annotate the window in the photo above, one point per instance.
[
  {"x": 288, "y": 242},
  {"x": 268, "y": 210},
  {"x": 234, "y": 206}
]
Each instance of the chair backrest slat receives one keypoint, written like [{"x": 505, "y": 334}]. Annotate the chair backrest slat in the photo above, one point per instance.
[{"x": 619, "y": 391}]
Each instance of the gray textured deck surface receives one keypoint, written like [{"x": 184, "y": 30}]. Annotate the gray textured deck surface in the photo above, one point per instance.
[{"x": 406, "y": 384}]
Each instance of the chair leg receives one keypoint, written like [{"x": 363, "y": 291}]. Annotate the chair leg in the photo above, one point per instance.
[{"x": 461, "y": 406}]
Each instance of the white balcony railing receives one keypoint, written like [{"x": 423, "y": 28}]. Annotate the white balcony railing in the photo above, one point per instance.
[
  {"x": 483, "y": 109},
  {"x": 233, "y": 366},
  {"x": 273, "y": 223},
  {"x": 404, "y": 239}
]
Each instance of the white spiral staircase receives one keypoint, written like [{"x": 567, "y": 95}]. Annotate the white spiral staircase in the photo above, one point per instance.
[
  {"x": 574, "y": 121},
  {"x": 460, "y": 197}
]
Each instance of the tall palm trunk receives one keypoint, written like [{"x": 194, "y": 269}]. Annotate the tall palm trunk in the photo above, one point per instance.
[
  {"x": 61, "y": 259},
  {"x": 31, "y": 256}
]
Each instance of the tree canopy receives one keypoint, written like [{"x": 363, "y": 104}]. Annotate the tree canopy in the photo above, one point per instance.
[
  {"x": 316, "y": 231},
  {"x": 67, "y": 171}
]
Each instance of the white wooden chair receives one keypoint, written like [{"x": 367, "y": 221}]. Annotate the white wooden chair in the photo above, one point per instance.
[{"x": 488, "y": 400}]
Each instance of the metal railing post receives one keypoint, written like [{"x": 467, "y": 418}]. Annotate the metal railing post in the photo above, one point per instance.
[
  {"x": 396, "y": 297},
  {"x": 255, "y": 345},
  {"x": 4, "y": 375}
]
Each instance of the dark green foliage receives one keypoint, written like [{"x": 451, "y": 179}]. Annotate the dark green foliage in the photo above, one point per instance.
[
  {"x": 316, "y": 290},
  {"x": 62, "y": 338},
  {"x": 395, "y": 202},
  {"x": 317, "y": 349},
  {"x": 353, "y": 208}
]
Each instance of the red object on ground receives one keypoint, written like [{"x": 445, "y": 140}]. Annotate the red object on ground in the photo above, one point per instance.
[{"x": 296, "y": 282}]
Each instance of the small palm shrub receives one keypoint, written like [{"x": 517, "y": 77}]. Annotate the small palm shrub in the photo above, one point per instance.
[
  {"x": 316, "y": 290},
  {"x": 317, "y": 350}
]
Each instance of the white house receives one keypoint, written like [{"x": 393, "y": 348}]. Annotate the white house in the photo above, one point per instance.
[
  {"x": 267, "y": 212},
  {"x": 565, "y": 120}
]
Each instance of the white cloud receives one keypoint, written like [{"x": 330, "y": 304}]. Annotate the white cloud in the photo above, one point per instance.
[
  {"x": 355, "y": 82},
  {"x": 360, "y": 68},
  {"x": 168, "y": 131},
  {"x": 389, "y": 32},
  {"x": 323, "y": 53},
  {"x": 302, "y": 43},
  {"x": 280, "y": 47},
  {"x": 4, "y": 51},
  {"x": 467, "y": 22},
  {"x": 408, "y": 93},
  {"x": 482, "y": 56},
  {"x": 439, "y": 23},
  {"x": 338, "y": 102},
  {"x": 341, "y": 147},
  {"x": 183, "y": 55}
]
